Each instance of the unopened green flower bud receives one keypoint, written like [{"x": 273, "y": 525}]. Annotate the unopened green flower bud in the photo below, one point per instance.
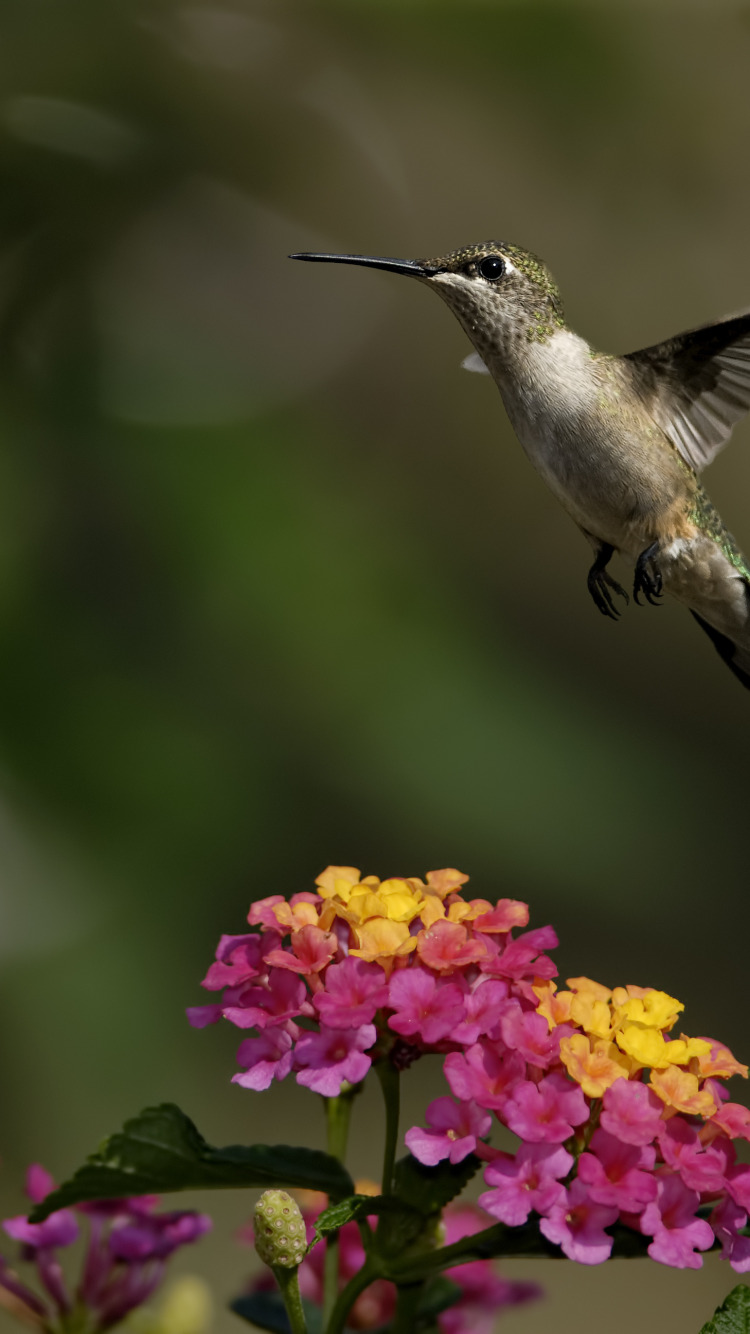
[{"x": 279, "y": 1230}]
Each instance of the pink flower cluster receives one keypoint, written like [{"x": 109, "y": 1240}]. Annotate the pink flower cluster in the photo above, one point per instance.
[
  {"x": 128, "y": 1246},
  {"x": 617, "y": 1119},
  {"x": 484, "y": 1294}
]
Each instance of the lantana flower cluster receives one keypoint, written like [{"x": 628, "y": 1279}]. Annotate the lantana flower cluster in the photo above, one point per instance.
[
  {"x": 484, "y": 1294},
  {"x": 128, "y": 1245},
  {"x": 618, "y": 1118}
]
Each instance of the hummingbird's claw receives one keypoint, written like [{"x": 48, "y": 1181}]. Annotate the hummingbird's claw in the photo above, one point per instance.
[
  {"x": 648, "y": 580},
  {"x": 599, "y": 584}
]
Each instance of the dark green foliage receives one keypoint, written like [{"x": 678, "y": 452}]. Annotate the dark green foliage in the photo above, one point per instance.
[
  {"x": 161, "y": 1150},
  {"x": 733, "y": 1316}
]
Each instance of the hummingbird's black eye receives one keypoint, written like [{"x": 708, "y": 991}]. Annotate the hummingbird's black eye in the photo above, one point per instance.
[{"x": 491, "y": 267}]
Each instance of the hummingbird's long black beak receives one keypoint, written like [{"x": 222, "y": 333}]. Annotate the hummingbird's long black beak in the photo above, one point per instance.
[{"x": 408, "y": 266}]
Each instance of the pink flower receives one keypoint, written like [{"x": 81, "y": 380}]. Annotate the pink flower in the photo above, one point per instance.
[
  {"x": 482, "y": 1009},
  {"x": 447, "y": 946},
  {"x": 727, "y": 1220},
  {"x": 454, "y": 1131},
  {"x": 734, "y": 1119},
  {"x": 631, "y": 1111},
  {"x": 506, "y": 914},
  {"x": 424, "y": 1007},
  {"x": 282, "y": 999},
  {"x": 354, "y": 991},
  {"x": 671, "y": 1221},
  {"x": 529, "y": 1033},
  {"x": 701, "y": 1169},
  {"x": 334, "y": 1056},
  {"x": 546, "y": 1111},
  {"x": 577, "y": 1226},
  {"x": 529, "y": 1181},
  {"x": 238, "y": 959},
  {"x": 311, "y": 951},
  {"x": 614, "y": 1173},
  {"x": 485, "y": 1075},
  {"x": 738, "y": 1184},
  {"x": 267, "y": 1058},
  {"x": 522, "y": 958}
]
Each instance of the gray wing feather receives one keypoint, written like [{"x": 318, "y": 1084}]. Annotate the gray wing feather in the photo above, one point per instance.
[{"x": 697, "y": 386}]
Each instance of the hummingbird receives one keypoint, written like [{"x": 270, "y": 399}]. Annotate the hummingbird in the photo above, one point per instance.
[{"x": 620, "y": 440}]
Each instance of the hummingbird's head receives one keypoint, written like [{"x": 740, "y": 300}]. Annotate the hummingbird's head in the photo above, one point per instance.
[{"x": 498, "y": 291}]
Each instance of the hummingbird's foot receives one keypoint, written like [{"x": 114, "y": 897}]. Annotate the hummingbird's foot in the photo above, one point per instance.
[
  {"x": 648, "y": 579},
  {"x": 599, "y": 584}
]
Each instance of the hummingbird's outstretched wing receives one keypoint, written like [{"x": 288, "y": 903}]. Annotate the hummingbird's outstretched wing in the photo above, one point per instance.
[{"x": 697, "y": 385}]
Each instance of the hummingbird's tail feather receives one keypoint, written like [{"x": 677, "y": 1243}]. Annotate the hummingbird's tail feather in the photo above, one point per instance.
[{"x": 735, "y": 655}]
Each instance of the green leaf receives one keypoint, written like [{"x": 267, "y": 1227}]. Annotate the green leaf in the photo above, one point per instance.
[
  {"x": 266, "y": 1310},
  {"x": 356, "y": 1207},
  {"x": 733, "y": 1316},
  {"x": 429, "y": 1189},
  {"x": 161, "y": 1150}
]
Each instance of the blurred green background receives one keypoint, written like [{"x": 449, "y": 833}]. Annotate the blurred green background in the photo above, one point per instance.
[{"x": 278, "y": 587}]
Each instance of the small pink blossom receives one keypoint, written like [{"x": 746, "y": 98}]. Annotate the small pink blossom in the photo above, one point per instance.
[
  {"x": 530, "y": 1180},
  {"x": 311, "y": 950},
  {"x": 677, "y": 1234},
  {"x": 482, "y": 1009},
  {"x": 727, "y": 1220},
  {"x": 423, "y": 1006},
  {"x": 354, "y": 991},
  {"x": 447, "y": 946},
  {"x": 617, "y": 1173},
  {"x": 283, "y": 998},
  {"x": 267, "y": 1057},
  {"x": 334, "y": 1056},
  {"x": 577, "y": 1226},
  {"x": 702, "y": 1168},
  {"x": 454, "y": 1129},
  {"x": 529, "y": 1034},
  {"x": 484, "y": 1074},
  {"x": 238, "y": 960},
  {"x": 631, "y": 1111},
  {"x": 546, "y": 1111}
]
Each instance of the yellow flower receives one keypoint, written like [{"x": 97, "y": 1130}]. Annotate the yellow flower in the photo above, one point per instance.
[
  {"x": 595, "y": 1066},
  {"x": 381, "y": 940},
  {"x": 653, "y": 1009},
  {"x": 681, "y": 1091}
]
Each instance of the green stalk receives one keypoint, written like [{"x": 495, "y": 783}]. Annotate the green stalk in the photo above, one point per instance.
[
  {"x": 389, "y": 1082},
  {"x": 367, "y": 1275},
  {"x": 289, "y": 1288},
  {"x": 338, "y": 1116}
]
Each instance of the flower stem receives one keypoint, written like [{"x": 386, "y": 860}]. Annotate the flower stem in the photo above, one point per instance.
[
  {"x": 338, "y": 1116},
  {"x": 361, "y": 1280},
  {"x": 289, "y": 1287},
  {"x": 406, "y": 1308},
  {"x": 389, "y": 1082}
]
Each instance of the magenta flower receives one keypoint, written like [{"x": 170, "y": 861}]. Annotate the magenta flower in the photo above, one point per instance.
[
  {"x": 678, "y": 1235},
  {"x": 423, "y": 1006},
  {"x": 484, "y": 1074},
  {"x": 354, "y": 991},
  {"x": 267, "y": 1057},
  {"x": 447, "y": 947},
  {"x": 284, "y": 997},
  {"x": 526, "y": 1032},
  {"x": 483, "y": 1006},
  {"x": 617, "y": 1173},
  {"x": 127, "y": 1246},
  {"x": 311, "y": 951},
  {"x": 530, "y": 1180},
  {"x": 727, "y": 1220},
  {"x": 632, "y": 1112},
  {"x": 454, "y": 1129},
  {"x": 334, "y": 1056},
  {"x": 238, "y": 960},
  {"x": 702, "y": 1168},
  {"x": 546, "y": 1111},
  {"x": 577, "y": 1226}
]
